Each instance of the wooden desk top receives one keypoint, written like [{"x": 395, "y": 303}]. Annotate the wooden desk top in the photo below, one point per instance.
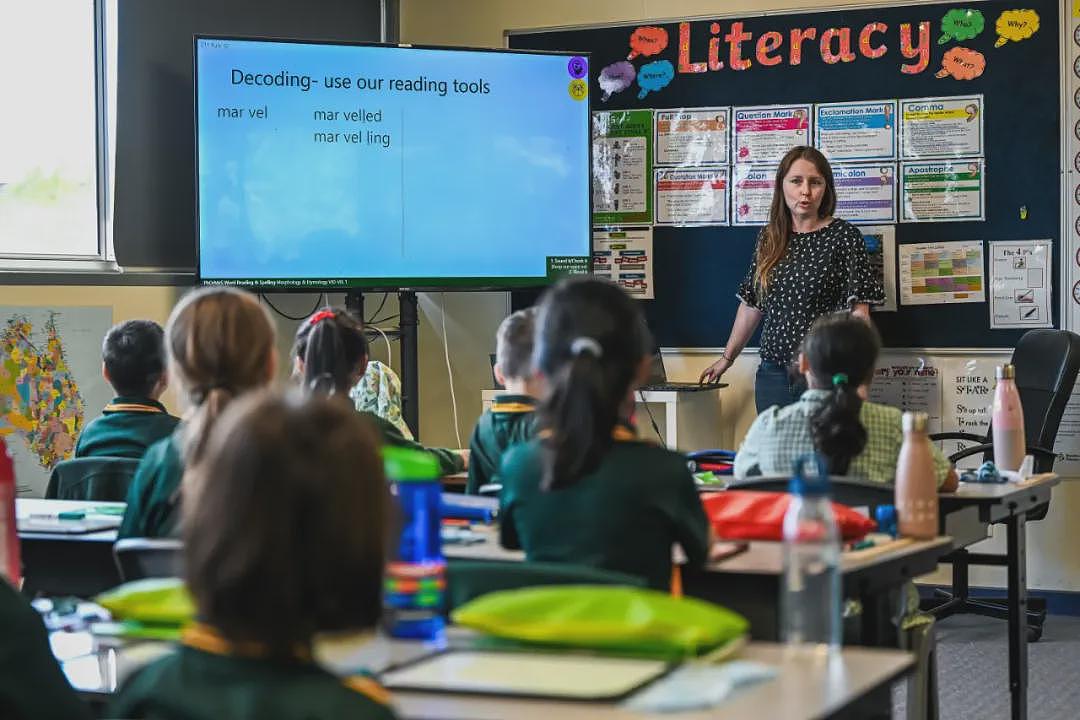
[
  {"x": 991, "y": 493},
  {"x": 801, "y": 690}
]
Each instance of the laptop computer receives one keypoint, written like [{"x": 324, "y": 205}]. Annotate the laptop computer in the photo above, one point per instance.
[{"x": 658, "y": 381}]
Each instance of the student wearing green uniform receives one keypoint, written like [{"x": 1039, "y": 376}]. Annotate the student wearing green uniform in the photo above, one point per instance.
[
  {"x": 284, "y": 550},
  {"x": 32, "y": 687},
  {"x": 220, "y": 345},
  {"x": 587, "y": 490},
  {"x": 330, "y": 355},
  {"x": 133, "y": 362},
  {"x": 510, "y": 419}
]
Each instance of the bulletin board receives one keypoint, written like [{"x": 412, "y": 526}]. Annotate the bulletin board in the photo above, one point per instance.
[{"x": 996, "y": 61}]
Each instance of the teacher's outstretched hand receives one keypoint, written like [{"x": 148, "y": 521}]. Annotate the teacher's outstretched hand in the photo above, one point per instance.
[{"x": 806, "y": 263}]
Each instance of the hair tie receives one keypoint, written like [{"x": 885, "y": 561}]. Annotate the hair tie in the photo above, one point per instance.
[
  {"x": 839, "y": 379},
  {"x": 582, "y": 345},
  {"x": 320, "y": 316}
]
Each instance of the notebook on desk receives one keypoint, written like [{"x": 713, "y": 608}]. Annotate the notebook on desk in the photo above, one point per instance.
[{"x": 56, "y": 526}]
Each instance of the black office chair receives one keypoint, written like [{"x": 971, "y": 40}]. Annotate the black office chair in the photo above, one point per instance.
[
  {"x": 468, "y": 579},
  {"x": 1047, "y": 362},
  {"x": 103, "y": 479},
  {"x": 138, "y": 558}
]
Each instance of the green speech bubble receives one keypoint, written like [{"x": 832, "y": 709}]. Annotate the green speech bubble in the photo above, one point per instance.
[{"x": 961, "y": 24}]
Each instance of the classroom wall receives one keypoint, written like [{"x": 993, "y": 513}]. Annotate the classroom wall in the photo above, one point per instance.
[{"x": 1054, "y": 561}]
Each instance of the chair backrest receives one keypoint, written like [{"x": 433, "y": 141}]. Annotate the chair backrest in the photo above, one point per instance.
[
  {"x": 468, "y": 579},
  {"x": 138, "y": 558},
  {"x": 103, "y": 479},
  {"x": 847, "y": 491},
  {"x": 1047, "y": 362}
]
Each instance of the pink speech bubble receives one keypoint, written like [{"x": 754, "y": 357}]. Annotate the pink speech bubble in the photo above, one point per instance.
[
  {"x": 962, "y": 63},
  {"x": 647, "y": 41}
]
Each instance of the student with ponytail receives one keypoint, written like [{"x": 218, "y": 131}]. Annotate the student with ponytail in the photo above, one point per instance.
[
  {"x": 856, "y": 437},
  {"x": 220, "y": 344},
  {"x": 330, "y": 355},
  {"x": 587, "y": 490}
]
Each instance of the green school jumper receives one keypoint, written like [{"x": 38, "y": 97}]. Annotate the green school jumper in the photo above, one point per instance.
[
  {"x": 32, "y": 686},
  {"x": 625, "y": 516},
  {"x": 449, "y": 461},
  {"x": 508, "y": 422},
  {"x": 205, "y": 680},
  {"x": 153, "y": 499},
  {"x": 126, "y": 428}
]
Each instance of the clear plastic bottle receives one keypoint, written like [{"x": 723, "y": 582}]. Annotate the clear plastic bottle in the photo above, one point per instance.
[
  {"x": 810, "y": 590},
  {"x": 1007, "y": 421}
]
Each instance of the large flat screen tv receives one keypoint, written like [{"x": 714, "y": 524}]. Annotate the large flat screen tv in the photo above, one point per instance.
[{"x": 329, "y": 165}]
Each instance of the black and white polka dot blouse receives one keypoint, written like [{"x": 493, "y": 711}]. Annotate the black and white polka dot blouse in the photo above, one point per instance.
[{"x": 823, "y": 271}]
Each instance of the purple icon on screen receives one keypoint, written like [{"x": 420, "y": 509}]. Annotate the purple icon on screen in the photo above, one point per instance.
[{"x": 578, "y": 67}]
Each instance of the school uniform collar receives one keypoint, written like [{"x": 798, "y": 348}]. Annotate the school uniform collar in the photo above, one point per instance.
[
  {"x": 509, "y": 403},
  {"x": 624, "y": 431},
  {"x": 815, "y": 396},
  {"x": 123, "y": 403},
  {"x": 208, "y": 639}
]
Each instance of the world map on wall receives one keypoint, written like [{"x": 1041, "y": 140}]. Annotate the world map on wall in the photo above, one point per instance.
[{"x": 50, "y": 384}]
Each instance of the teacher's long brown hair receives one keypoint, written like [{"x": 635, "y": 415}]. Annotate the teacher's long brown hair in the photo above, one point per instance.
[{"x": 774, "y": 240}]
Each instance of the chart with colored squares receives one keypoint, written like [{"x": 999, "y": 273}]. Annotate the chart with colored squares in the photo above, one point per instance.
[{"x": 941, "y": 273}]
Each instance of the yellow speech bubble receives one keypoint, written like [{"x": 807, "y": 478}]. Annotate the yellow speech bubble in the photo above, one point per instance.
[{"x": 1016, "y": 25}]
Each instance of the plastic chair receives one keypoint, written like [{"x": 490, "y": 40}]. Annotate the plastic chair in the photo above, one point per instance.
[
  {"x": 101, "y": 479},
  {"x": 1047, "y": 363},
  {"x": 468, "y": 579},
  {"x": 848, "y": 491},
  {"x": 138, "y": 558}
]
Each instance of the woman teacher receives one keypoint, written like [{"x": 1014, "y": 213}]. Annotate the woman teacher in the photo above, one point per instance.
[{"x": 806, "y": 263}]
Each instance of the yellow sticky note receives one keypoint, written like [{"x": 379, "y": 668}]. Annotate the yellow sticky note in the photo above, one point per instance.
[{"x": 1076, "y": 8}]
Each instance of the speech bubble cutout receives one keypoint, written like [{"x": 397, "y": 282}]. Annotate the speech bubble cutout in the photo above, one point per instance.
[
  {"x": 961, "y": 24},
  {"x": 615, "y": 78},
  {"x": 647, "y": 41},
  {"x": 1015, "y": 25},
  {"x": 654, "y": 76},
  {"x": 962, "y": 63}
]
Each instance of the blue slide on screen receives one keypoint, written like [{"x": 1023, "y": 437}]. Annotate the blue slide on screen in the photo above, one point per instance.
[{"x": 324, "y": 164}]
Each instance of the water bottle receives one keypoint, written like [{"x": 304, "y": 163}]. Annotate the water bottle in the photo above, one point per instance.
[
  {"x": 1007, "y": 420},
  {"x": 916, "y": 481},
  {"x": 810, "y": 590},
  {"x": 415, "y": 581},
  {"x": 10, "y": 564}
]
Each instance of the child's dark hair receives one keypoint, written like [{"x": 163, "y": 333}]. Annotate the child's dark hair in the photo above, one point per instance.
[
  {"x": 295, "y": 541},
  {"x": 590, "y": 341},
  {"x": 134, "y": 357},
  {"x": 332, "y": 346},
  {"x": 514, "y": 344},
  {"x": 842, "y": 352}
]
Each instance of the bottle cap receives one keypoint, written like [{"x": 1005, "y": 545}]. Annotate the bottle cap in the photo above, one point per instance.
[
  {"x": 915, "y": 421},
  {"x": 814, "y": 484},
  {"x": 405, "y": 465},
  {"x": 1006, "y": 372}
]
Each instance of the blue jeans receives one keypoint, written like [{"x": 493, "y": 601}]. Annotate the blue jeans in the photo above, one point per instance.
[{"x": 774, "y": 385}]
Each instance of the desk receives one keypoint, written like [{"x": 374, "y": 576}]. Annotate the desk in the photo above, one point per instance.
[
  {"x": 969, "y": 512},
  {"x": 688, "y": 420},
  {"x": 749, "y": 582},
  {"x": 65, "y": 564},
  {"x": 800, "y": 691}
]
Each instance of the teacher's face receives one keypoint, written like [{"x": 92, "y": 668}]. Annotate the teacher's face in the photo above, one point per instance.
[{"x": 804, "y": 187}]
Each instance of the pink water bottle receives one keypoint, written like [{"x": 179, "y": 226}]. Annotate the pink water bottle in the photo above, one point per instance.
[
  {"x": 1008, "y": 421},
  {"x": 10, "y": 565},
  {"x": 916, "y": 481}
]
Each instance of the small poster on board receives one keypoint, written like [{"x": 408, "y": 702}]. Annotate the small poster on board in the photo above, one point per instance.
[
  {"x": 941, "y": 127},
  {"x": 765, "y": 133},
  {"x": 622, "y": 167},
  {"x": 752, "y": 194},
  {"x": 624, "y": 256},
  {"x": 687, "y": 196},
  {"x": 1020, "y": 284},
  {"x": 847, "y": 132},
  {"x": 942, "y": 272},
  {"x": 881, "y": 248},
  {"x": 692, "y": 137},
  {"x": 943, "y": 190},
  {"x": 866, "y": 193}
]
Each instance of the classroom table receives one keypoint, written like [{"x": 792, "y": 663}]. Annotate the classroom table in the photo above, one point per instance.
[
  {"x": 854, "y": 685},
  {"x": 66, "y": 564}
]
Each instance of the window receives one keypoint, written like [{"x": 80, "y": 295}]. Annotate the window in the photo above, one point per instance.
[{"x": 49, "y": 160}]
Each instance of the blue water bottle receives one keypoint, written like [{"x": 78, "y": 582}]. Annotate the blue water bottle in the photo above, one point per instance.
[{"x": 415, "y": 579}]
